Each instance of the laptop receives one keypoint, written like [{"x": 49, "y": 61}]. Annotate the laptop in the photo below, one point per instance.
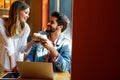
[
  {"x": 31, "y": 71},
  {"x": 36, "y": 70}
]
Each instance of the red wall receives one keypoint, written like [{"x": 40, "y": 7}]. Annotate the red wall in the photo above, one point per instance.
[{"x": 96, "y": 40}]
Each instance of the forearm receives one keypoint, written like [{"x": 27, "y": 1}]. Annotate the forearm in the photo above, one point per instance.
[
  {"x": 28, "y": 58},
  {"x": 54, "y": 52},
  {"x": 12, "y": 61},
  {"x": 28, "y": 46},
  {"x": 63, "y": 64}
]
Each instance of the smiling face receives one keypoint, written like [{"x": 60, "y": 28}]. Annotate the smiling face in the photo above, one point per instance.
[{"x": 24, "y": 15}]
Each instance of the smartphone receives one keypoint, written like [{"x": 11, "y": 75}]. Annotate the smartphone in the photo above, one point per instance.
[{"x": 10, "y": 76}]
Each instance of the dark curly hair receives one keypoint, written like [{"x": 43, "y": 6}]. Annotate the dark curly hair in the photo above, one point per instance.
[{"x": 61, "y": 20}]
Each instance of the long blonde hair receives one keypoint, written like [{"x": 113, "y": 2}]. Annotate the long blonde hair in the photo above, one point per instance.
[{"x": 13, "y": 24}]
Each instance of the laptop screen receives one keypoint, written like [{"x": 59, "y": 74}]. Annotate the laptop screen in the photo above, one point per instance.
[{"x": 35, "y": 70}]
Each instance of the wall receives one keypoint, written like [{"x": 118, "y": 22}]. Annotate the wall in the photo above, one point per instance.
[
  {"x": 4, "y": 13},
  {"x": 96, "y": 40},
  {"x": 65, "y": 9},
  {"x": 38, "y": 15},
  {"x": 35, "y": 15}
]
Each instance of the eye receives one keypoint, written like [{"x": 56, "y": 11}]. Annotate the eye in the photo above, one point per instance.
[
  {"x": 52, "y": 22},
  {"x": 26, "y": 12}
]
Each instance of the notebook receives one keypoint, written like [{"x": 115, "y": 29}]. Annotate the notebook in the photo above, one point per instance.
[{"x": 36, "y": 70}]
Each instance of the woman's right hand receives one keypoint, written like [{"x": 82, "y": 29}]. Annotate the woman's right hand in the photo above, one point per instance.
[
  {"x": 7, "y": 70},
  {"x": 35, "y": 40},
  {"x": 15, "y": 69}
]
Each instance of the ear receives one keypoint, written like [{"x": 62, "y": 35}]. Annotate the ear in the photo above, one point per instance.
[{"x": 61, "y": 27}]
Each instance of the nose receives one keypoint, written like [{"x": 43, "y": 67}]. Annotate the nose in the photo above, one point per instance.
[
  {"x": 28, "y": 16},
  {"x": 48, "y": 24}
]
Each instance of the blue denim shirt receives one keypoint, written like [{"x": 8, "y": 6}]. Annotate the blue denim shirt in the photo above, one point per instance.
[{"x": 63, "y": 46}]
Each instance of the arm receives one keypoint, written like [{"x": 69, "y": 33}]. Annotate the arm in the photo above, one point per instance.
[
  {"x": 26, "y": 46},
  {"x": 10, "y": 53},
  {"x": 62, "y": 57},
  {"x": 31, "y": 56},
  {"x": 48, "y": 44},
  {"x": 29, "y": 45},
  {"x": 63, "y": 62},
  {"x": 23, "y": 42},
  {"x": 12, "y": 62},
  {"x": 6, "y": 48}
]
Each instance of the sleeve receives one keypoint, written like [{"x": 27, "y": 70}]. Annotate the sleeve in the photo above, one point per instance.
[
  {"x": 31, "y": 55},
  {"x": 3, "y": 36},
  {"x": 3, "y": 44},
  {"x": 24, "y": 38},
  {"x": 6, "y": 42},
  {"x": 63, "y": 62},
  {"x": 10, "y": 47}
]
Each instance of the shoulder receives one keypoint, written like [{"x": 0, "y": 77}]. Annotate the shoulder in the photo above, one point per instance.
[
  {"x": 64, "y": 40},
  {"x": 2, "y": 22},
  {"x": 3, "y": 36},
  {"x": 27, "y": 26},
  {"x": 26, "y": 30},
  {"x": 1, "y": 19},
  {"x": 64, "y": 37}
]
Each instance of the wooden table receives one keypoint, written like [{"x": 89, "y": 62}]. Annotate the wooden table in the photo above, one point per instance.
[
  {"x": 59, "y": 76},
  {"x": 62, "y": 76}
]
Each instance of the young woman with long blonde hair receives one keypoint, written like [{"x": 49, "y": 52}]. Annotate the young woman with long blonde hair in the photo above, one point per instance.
[{"x": 14, "y": 32}]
